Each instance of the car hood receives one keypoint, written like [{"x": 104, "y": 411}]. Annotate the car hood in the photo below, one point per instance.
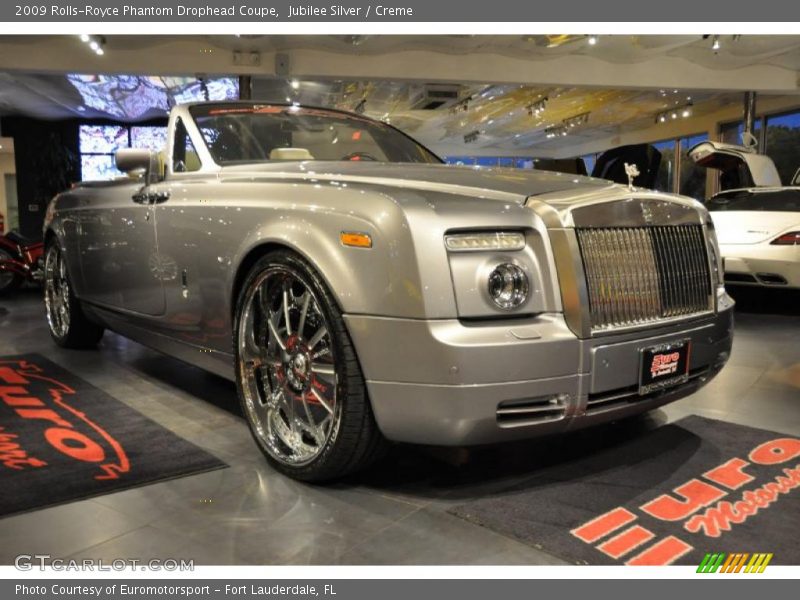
[
  {"x": 752, "y": 227},
  {"x": 490, "y": 183}
]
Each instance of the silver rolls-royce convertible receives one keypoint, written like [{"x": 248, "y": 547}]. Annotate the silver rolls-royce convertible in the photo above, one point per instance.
[{"x": 358, "y": 290}]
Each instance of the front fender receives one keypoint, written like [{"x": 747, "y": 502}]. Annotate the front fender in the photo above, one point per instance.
[{"x": 383, "y": 280}]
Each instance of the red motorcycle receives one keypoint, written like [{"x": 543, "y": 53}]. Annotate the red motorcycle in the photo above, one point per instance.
[{"x": 21, "y": 260}]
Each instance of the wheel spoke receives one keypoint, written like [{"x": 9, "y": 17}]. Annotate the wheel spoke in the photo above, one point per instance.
[
  {"x": 311, "y": 426},
  {"x": 303, "y": 312},
  {"x": 317, "y": 337},
  {"x": 323, "y": 369},
  {"x": 286, "y": 311},
  {"x": 321, "y": 400},
  {"x": 276, "y": 336}
]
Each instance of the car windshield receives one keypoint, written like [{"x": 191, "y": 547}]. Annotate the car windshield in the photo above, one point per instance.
[
  {"x": 786, "y": 200},
  {"x": 256, "y": 133}
]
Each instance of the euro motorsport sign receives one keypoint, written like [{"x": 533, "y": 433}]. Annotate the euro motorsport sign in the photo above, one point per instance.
[{"x": 715, "y": 502}]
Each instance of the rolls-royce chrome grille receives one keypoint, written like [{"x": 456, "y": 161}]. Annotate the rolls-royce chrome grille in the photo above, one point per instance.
[{"x": 637, "y": 275}]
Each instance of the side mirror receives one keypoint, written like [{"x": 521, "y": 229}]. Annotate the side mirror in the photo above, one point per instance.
[{"x": 129, "y": 160}]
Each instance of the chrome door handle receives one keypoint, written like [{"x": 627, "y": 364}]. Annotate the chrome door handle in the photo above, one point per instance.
[
  {"x": 150, "y": 197},
  {"x": 158, "y": 197}
]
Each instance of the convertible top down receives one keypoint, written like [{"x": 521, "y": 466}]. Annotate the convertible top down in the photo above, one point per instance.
[{"x": 358, "y": 290}]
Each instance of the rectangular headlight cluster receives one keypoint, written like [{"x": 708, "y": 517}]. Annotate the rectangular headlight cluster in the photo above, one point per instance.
[{"x": 475, "y": 242}]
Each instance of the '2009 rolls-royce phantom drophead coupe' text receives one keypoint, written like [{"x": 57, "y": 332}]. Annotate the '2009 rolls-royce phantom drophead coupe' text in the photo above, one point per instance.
[{"x": 358, "y": 290}]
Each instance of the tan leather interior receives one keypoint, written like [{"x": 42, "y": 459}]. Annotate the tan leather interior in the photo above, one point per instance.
[
  {"x": 290, "y": 154},
  {"x": 192, "y": 160}
]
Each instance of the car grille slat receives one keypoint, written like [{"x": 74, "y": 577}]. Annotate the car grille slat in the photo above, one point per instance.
[{"x": 637, "y": 275}]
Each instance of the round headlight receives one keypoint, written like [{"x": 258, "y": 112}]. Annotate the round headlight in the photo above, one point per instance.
[{"x": 508, "y": 286}]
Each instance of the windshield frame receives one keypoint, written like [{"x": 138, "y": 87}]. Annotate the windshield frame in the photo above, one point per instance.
[{"x": 205, "y": 108}]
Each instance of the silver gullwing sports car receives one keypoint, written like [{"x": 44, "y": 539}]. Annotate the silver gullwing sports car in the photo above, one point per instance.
[{"x": 358, "y": 290}]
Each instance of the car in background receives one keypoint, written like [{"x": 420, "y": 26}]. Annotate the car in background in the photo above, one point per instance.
[
  {"x": 759, "y": 235},
  {"x": 757, "y": 220}
]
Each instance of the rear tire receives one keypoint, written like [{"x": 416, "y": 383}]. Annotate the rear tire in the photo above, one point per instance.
[
  {"x": 297, "y": 374},
  {"x": 69, "y": 327},
  {"x": 9, "y": 281}
]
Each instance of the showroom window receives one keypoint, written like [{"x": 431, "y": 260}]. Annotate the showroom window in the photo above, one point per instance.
[
  {"x": 692, "y": 178},
  {"x": 518, "y": 162},
  {"x": 98, "y": 143},
  {"x": 589, "y": 160},
  {"x": 731, "y": 133},
  {"x": 782, "y": 141},
  {"x": 666, "y": 170}
]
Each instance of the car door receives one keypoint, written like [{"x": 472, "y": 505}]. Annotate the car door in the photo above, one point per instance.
[
  {"x": 119, "y": 249},
  {"x": 185, "y": 227},
  {"x": 739, "y": 167}
]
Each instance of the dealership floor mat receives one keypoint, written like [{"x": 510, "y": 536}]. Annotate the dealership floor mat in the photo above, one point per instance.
[
  {"x": 62, "y": 439},
  {"x": 670, "y": 495}
]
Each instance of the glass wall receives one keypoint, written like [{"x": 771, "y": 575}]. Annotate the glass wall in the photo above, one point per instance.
[
  {"x": 589, "y": 160},
  {"x": 666, "y": 170},
  {"x": 778, "y": 137},
  {"x": 692, "y": 178},
  {"x": 731, "y": 133},
  {"x": 782, "y": 141},
  {"x": 517, "y": 162}
]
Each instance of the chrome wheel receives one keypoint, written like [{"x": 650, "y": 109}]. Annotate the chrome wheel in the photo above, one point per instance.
[
  {"x": 56, "y": 292},
  {"x": 287, "y": 367}
]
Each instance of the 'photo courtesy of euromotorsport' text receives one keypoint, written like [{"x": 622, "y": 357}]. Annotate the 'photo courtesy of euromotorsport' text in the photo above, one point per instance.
[{"x": 294, "y": 294}]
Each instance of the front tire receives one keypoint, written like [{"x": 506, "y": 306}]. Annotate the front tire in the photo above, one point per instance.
[
  {"x": 299, "y": 381},
  {"x": 69, "y": 326}
]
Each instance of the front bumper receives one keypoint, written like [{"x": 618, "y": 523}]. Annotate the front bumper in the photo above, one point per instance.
[{"x": 452, "y": 383}]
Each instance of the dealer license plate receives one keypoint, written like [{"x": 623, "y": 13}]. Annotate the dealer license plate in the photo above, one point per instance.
[{"x": 664, "y": 366}]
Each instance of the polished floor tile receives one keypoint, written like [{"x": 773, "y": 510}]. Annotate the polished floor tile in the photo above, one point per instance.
[{"x": 395, "y": 513}]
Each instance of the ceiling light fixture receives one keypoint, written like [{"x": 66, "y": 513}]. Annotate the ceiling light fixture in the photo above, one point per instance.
[
  {"x": 472, "y": 136},
  {"x": 715, "y": 45},
  {"x": 295, "y": 84},
  {"x": 95, "y": 43},
  {"x": 685, "y": 112},
  {"x": 535, "y": 108},
  {"x": 577, "y": 120},
  {"x": 555, "y": 131},
  {"x": 461, "y": 106},
  {"x": 592, "y": 40}
]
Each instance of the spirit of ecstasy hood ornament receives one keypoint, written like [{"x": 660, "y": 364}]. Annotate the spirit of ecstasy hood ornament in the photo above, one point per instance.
[{"x": 632, "y": 172}]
